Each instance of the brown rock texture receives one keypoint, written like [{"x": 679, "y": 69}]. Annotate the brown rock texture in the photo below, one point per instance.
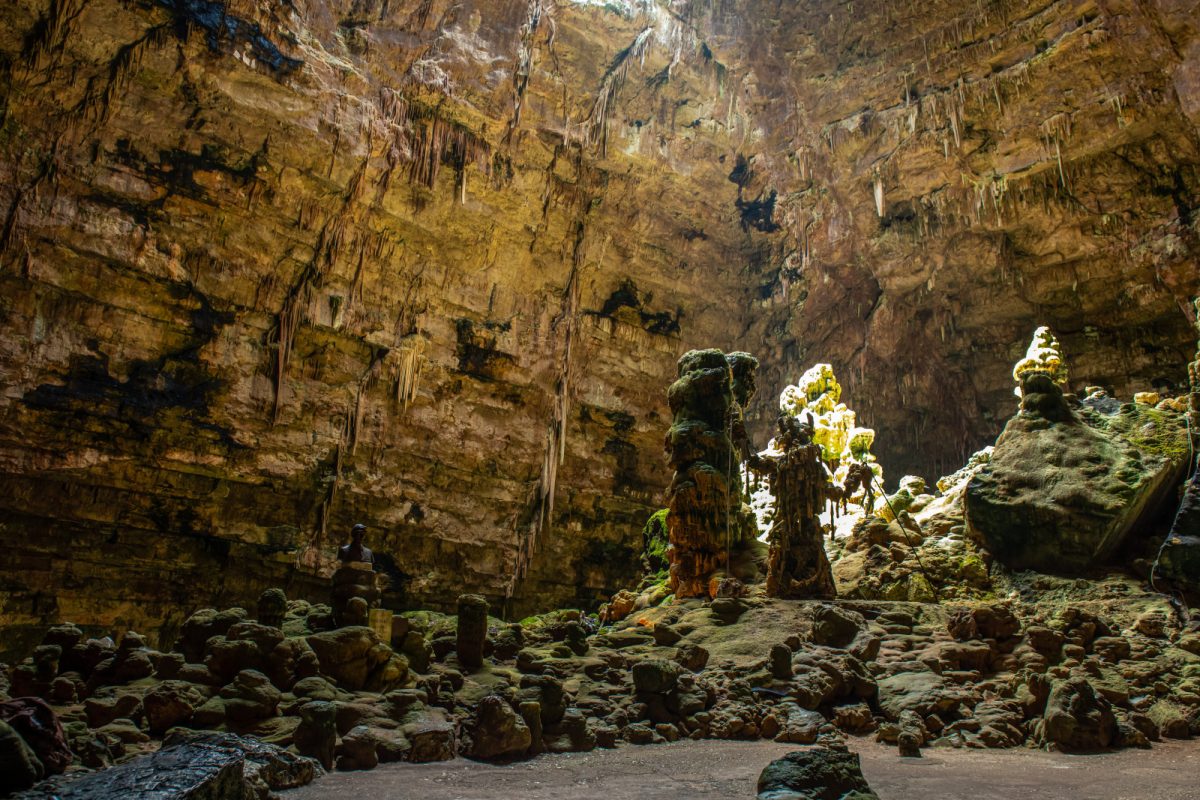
[{"x": 269, "y": 269}]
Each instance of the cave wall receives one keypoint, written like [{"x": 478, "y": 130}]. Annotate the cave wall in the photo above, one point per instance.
[
  {"x": 273, "y": 268},
  {"x": 952, "y": 175}
]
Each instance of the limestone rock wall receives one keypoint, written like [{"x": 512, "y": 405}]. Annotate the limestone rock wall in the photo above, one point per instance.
[
  {"x": 951, "y": 175},
  {"x": 272, "y": 268}
]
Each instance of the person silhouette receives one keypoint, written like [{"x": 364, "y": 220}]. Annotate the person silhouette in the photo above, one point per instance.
[{"x": 355, "y": 550}]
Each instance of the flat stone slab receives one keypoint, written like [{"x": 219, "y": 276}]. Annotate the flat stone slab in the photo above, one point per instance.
[{"x": 213, "y": 766}]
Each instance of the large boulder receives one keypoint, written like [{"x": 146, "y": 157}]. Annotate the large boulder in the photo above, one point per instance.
[
  {"x": 815, "y": 774},
  {"x": 38, "y": 725},
  {"x": 357, "y": 659},
  {"x": 193, "y": 767},
  {"x": 1077, "y": 717},
  {"x": 1064, "y": 488},
  {"x": 499, "y": 732}
]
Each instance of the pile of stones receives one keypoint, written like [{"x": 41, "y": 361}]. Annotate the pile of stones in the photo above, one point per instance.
[{"x": 997, "y": 674}]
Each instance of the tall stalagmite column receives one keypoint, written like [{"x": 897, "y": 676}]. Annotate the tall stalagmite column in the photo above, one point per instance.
[
  {"x": 472, "y": 630},
  {"x": 706, "y": 445}
]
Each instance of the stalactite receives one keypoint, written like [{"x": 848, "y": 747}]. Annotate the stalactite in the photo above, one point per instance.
[
  {"x": 325, "y": 254},
  {"x": 422, "y": 138},
  {"x": 408, "y": 370},
  {"x": 1054, "y": 131},
  {"x": 566, "y": 321},
  {"x": 596, "y": 125},
  {"x": 97, "y": 101},
  {"x": 354, "y": 420},
  {"x": 48, "y": 36},
  {"x": 536, "y": 10}
]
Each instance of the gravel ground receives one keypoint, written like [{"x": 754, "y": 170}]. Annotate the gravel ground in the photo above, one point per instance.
[{"x": 713, "y": 769}]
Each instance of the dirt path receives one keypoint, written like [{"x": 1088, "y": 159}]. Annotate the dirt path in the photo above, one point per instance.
[{"x": 711, "y": 769}]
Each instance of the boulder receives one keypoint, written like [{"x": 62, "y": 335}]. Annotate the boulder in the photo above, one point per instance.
[
  {"x": 922, "y": 692},
  {"x": 20, "y": 768},
  {"x": 472, "y": 630},
  {"x": 779, "y": 662},
  {"x": 815, "y": 774},
  {"x": 66, "y": 636},
  {"x": 38, "y": 725},
  {"x": 315, "y": 688},
  {"x": 498, "y": 732},
  {"x": 1063, "y": 489},
  {"x": 1170, "y": 720},
  {"x": 1179, "y": 562},
  {"x": 547, "y": 691},
  {"x": 202, "y": 626},
  {"x": 291, "y": 660},
  {"x": 834, "y": 626},
  {"x": 171, "y": 703},
  {"x": 655, "y": 675},
  {"x": 316, "y": 735},
  {"x": 798, "y": 725},
  {"x": 1077, "y": 718},
  {"x": 357, "y": 659},
  {"x": 271, "y": 608},
  {"x": 250, "y": 698},
  {"x": 196, "y": 767},
  {"x": 357, "y": 749},
  {"x": 432, "y": 738},
  {"x": 691, "y": 657}
]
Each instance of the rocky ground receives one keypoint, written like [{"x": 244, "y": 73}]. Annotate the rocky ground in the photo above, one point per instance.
[
  {"x": 1067, "y": 664},
  {"x": 335, "y": 261}
]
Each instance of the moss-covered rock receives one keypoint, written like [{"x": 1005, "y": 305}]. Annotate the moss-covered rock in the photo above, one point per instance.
[
  {"x": 1064, "y": 488},
  {"x": 655, "y": 541}
]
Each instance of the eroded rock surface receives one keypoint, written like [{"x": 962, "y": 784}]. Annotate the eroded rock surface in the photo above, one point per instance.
[
  {"x": 386, "y": 260},
  {"x": 1064, "y": 488}
]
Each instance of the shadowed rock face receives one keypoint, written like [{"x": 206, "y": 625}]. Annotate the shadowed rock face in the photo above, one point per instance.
[{"x": 271, "y": 269}]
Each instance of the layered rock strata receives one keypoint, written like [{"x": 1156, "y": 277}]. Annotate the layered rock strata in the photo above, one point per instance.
[{"x": 270, "y": 269}]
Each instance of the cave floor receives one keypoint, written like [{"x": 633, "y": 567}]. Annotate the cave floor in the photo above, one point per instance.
[{"x": 723, "y": 769}]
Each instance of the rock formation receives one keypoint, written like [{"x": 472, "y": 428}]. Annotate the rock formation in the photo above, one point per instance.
[
  {"x": 256, "y": 274},
  {"x": 797, "y": 566},
  {"x": 1179, "y": 557},
  {"x": 472, "y": 630},
  {"x": 817, "y": 774},
  {"x": 706, "y": 444},
  {"x": 845, "y": 445},
  {"x": 1064, "y": 488}
]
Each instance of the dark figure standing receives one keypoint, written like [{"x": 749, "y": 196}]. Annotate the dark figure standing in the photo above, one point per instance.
[
  {"x": 355, "y": 590},
  {"x": 356, "y": 551}
]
